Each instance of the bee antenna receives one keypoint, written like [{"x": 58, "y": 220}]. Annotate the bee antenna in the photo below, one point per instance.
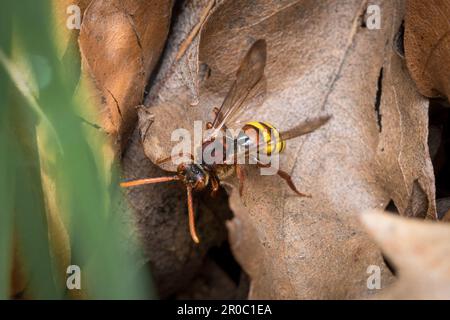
[
  {"x": 191, "y": 215},
  {"x": 140, "y": 182}
]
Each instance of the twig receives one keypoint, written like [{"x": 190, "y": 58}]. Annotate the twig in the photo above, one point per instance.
[{"x": 187, "y": 42}]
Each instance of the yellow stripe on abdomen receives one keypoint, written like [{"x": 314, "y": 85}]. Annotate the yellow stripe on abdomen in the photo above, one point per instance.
[{"x": 272, "y": 140}]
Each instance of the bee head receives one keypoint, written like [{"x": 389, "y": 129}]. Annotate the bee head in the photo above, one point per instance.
[{"x": 194, "y": 175}]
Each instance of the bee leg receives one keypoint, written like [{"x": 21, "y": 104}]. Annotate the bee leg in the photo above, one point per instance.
[
  {"x": 240, "y": 173},
  {"x": 216, "y": 112},
  {"x": 284, "y": 175},
  {"x": 291, "y": 184},
  {"x": 214, "y": 185}
]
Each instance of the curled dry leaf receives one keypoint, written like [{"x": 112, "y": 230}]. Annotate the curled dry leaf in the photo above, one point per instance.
[
  {"x": 120, "y": 43},
  {"x": 427, "y": 45},
  {"x": 420, "y": 252},
  {"x": 321, "y": 60}
]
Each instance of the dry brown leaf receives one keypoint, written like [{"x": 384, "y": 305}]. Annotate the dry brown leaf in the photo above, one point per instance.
[
  {"x": 427, "y": 45},
  {"x": 121, "y": 42},
  {"x": 418, "y": 249},
  {"x": 321, "y": 60}
]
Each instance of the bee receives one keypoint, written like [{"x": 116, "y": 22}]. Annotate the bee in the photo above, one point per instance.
[{"x": 257, "y": 136}]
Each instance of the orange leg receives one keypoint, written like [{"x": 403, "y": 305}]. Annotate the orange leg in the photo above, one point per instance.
[
  {"x": 190, "y": 201},
  {"x": 284, "y": 175},
  {"x": 291, "y": 184},
  {"x": 209, "y": 125}
]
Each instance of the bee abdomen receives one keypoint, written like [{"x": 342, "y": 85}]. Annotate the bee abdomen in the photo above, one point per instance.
[{"x": 272, "y": 140}]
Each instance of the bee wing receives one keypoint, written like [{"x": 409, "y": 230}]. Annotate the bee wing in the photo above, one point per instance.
[
  {"x": 303, "y": 128},
  {"x": 249, "y": 83}
]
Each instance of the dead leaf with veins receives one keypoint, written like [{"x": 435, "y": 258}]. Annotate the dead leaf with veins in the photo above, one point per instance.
[{"x": 120, "y": 43}]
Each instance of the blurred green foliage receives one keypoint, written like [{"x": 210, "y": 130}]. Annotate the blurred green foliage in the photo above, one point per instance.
[{"x": 42, "y": 134}]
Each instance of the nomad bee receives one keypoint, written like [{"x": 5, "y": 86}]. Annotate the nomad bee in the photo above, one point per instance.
[{"x": 261, "y": 137}]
